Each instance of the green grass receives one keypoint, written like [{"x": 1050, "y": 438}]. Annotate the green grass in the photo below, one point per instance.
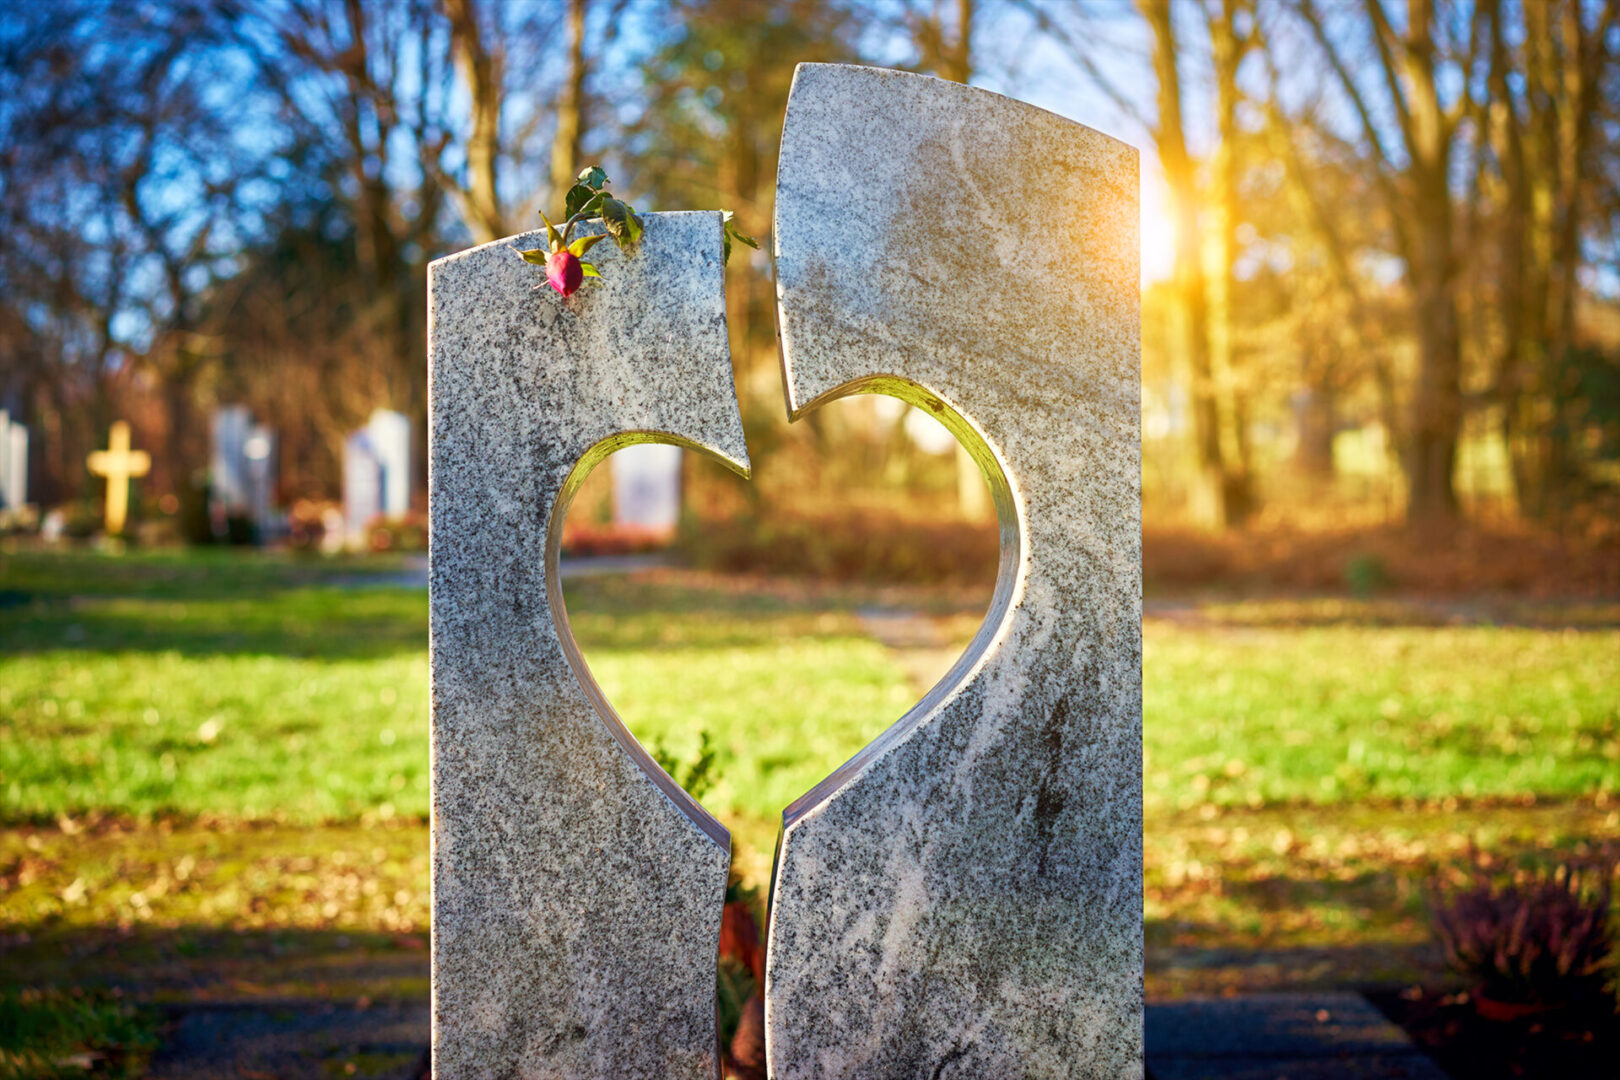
[
  {"x": 271, "y": 697},
  {"x": 250, "y": 688},
  {"x": 303, "y": 703},
  {"x": 46, "y": 1034},
  {"x": 220, "y": 761},
  {"x": 1334, "y": 714}
]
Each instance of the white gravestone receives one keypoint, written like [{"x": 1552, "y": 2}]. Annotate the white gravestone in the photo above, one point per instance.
[
  {"x": 13, "y": 464},
  {"x": 376, "y": 474},
  {"x": 229, "y": 431},
  {"x": 647, "y": 486},
  {"x": 577, "y": 891},
  {"x": 259, "y": 453},
  {"x": 963, "y": 898},
  {"x": 242, "y": 466},
  {"x": 362, "y": 487},
  {"x": 391, "y": 442}
]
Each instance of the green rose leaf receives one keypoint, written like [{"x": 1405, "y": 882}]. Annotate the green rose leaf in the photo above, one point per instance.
[
  {"x": 535, "y": 255},
  {"x": 588, "y": 270},
  {"x": 593, "y": 177},
  {"x": 577, "y": 199},
  {"x": 621, "y": 221}
]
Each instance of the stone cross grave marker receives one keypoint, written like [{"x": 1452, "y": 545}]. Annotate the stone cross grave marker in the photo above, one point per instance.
[
  {"x": 964, "y": 897},
  {"x": 118, "y": 464},
  {"x": 577, "y": 891}
]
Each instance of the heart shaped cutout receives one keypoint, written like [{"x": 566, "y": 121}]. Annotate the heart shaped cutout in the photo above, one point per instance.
[{"x": 788, "y": 679}]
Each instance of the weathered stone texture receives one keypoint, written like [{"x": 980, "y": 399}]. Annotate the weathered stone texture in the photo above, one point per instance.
[
  {"x": 964, "y": 898},
  {"x": 576, "y": 891}
]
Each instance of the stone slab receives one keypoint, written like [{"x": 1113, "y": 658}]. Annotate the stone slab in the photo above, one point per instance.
[
  {"x": 577, "y": 890},
  {"x": 964, "y": 897}
]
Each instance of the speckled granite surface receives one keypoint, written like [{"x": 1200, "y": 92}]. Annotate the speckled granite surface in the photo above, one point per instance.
[
  {"x": 964, "y": 899},
  {"x": 576, "y": 893}
]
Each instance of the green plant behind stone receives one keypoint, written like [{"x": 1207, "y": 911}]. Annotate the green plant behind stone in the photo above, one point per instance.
[
  {"x": 1365, "y": 574},
  {"x": 696, "y": 778}
]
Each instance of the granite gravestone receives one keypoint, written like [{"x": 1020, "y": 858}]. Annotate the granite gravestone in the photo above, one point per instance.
[
  {"x": 260, "y": 451},
  {"x": 964, "y": 897},
  {"x": 362, "y": 488},
  {"x": 228, "y": 430},
  {"x": 241, "y": 467},
  {"x": 13, "y": 464},
  {"x": 577, "y": 890},
  {"x": 647, "y": 487},
  {"x": 390, "y": 433},
  {"x": 376, "y": 474}
]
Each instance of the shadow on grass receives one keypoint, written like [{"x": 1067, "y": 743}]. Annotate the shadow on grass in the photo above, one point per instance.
[
  {"x": 191, "y": 963},
  {"x": 185, "y": 573},
  {"x": 206, "y": 616},
  {"x": 208, "y": 604},
  {"x": 205, "y": 965},
  {"x": 1181, "y": 969},
  {"x": 201, "y": 1001},
  {"x": 310, "y": 624}
]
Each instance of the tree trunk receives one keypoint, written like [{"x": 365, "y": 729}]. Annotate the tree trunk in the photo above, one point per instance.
[
  {"x": 1436, "y": 410},
  {"x": 1208, "y": 499},
  {"x": 480, "y": 72},
  {"x": 972, "y": 498},
  {"x": 1237, "y": 499},
  {"x": 1435, "y": 422},
  {"x": 565, "y": 144},
  {"x": 1316, "y": 419}
]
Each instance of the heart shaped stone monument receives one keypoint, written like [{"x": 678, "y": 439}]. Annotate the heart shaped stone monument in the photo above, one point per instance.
[{"x": 963, "y": 899}]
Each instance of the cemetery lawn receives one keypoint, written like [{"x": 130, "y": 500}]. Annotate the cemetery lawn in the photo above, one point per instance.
[{"x": 213, "y": 767}]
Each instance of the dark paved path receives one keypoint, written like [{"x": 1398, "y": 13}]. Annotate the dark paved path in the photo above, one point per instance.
[
  {"x": 1310, "y": 1036},
  {"x": 1315, "y": 1036},
  {"x": 294, "y": 1041}
]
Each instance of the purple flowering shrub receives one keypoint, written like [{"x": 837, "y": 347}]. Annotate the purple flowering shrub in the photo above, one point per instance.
[{"x": 1530, "y": 937}]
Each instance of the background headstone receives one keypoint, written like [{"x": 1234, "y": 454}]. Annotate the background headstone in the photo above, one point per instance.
[
  {"x": 259, "y": 454},
  {"x": 964, "y": 897},
  {"x": 241, "y": 472},
  {"x": 362, "y": 487},
  {"x": 391, "y": 443},
  {"x": 13, "y": 464},
  {"x": 577, "y": 890},
  {"x": 376, "y": 474},
  {"x": 227, "y": 464},
  {"x": 647, "y": 486}
]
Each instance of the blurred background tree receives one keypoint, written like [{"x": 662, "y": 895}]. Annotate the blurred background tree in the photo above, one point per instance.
[{"x": 1381, "y": 278}]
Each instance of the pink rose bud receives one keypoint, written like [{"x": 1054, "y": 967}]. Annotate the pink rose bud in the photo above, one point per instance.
[{"x": 564, "y": 272}]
